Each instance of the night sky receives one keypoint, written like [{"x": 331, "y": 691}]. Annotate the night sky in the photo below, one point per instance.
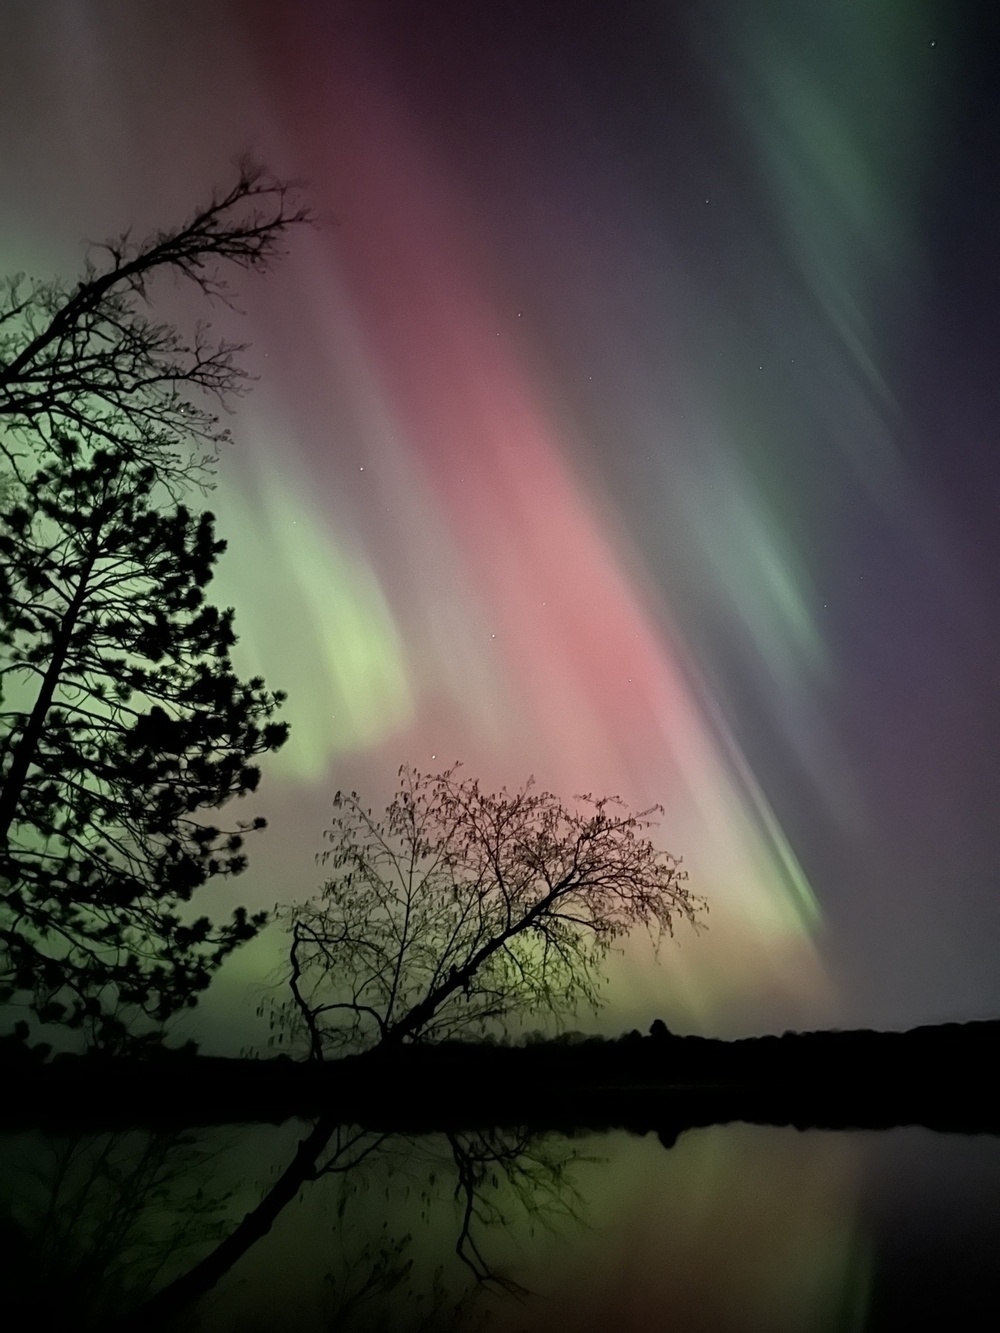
[{"x": 630, "y": 421}]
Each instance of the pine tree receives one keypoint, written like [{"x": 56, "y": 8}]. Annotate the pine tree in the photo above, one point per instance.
[{"x": 121, "y": 722}]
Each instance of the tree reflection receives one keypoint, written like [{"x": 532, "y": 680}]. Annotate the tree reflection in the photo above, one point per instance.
[
  {"x": 539, "y": 1185},
  {"x": 514, "y": 1182},
  {"x": 92, "y": 1226},
  {"x": 374, "y": 1290},
  {"x": 98, "y": 1223}
]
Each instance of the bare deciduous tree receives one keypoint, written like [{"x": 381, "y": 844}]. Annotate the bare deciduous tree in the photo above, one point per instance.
[
  {"x": 91, "y": 360},
  {"x": 457, "y": 910},
  {"x": 460, "y": 910}
]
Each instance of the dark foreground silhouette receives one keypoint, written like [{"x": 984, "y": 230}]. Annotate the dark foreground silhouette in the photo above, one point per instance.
[{"x": 940, "y": 1077}]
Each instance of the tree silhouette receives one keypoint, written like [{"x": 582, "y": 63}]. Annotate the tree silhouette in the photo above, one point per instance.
[
  {"x": 89, "y": 360},
  {"x": 460, "y": 910},
  {"x": 122, "y": 719}
]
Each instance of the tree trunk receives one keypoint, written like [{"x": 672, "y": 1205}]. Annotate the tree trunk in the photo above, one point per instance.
[
  {"x": 461, "y": 977},
  {"x": 24, "y": 750},
  {"x": 199, "y": 1280}
]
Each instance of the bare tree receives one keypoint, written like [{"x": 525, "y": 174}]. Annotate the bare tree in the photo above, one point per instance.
[
  {"x": 91, "y": 360},
  {"x": 457, "y": 910},
  {"x": 460, "y": 910}
]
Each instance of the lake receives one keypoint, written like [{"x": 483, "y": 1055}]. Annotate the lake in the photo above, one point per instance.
[{"x": 732, "y": 1229}]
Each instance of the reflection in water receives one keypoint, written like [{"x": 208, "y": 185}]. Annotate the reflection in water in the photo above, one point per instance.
[
  {"x": 734, "y": 1228},
  {"x": 450, "y": 1212},
  {"x": 93, "y": 1223}
]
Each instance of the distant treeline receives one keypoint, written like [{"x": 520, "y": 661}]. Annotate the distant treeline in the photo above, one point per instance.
[
  {"x": 956, "y": 1047},
  {"x": 959, "y": 1055},
  {"x": 941, "y": 1075}
]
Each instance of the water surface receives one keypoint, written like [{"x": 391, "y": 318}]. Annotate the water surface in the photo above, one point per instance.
[{"x": 732, "y": 1229}]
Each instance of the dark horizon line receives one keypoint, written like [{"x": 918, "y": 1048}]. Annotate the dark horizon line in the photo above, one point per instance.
[{"x": 936, "y": 1075}]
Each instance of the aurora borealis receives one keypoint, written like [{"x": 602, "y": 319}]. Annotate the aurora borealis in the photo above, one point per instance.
[{"x": 627, "y": 422}]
